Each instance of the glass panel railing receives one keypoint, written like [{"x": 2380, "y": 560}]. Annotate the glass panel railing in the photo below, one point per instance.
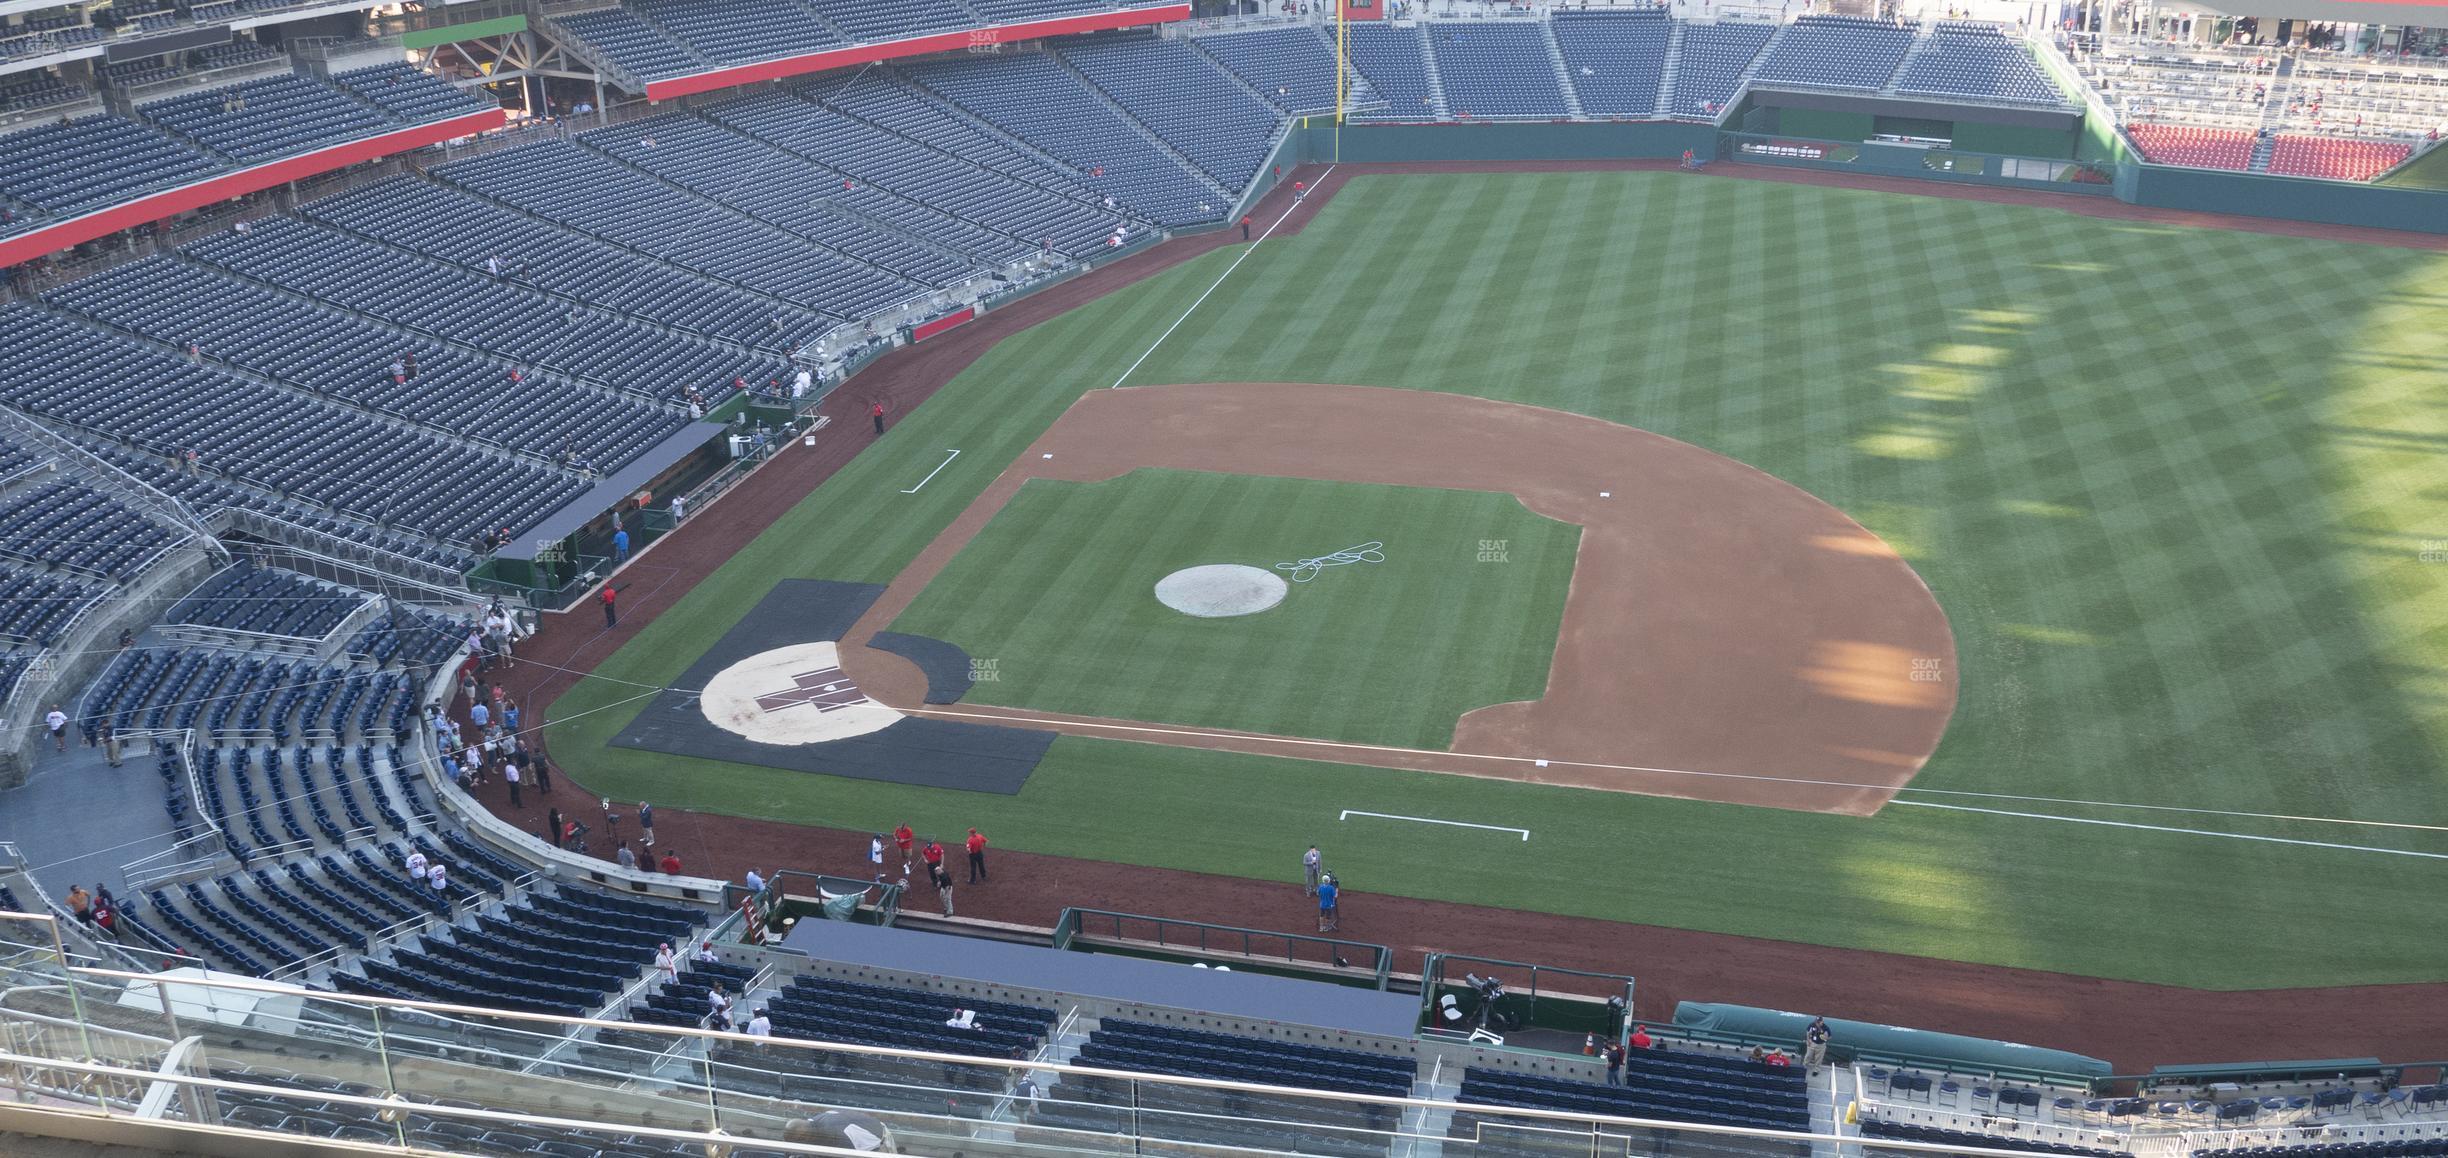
[{"x": 242, "y": 1053}]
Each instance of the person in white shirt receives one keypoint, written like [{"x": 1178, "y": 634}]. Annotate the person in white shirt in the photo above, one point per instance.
[
  {"x": 718, "y": 1009},
  {"x": 706, "y": 954},
  {"x": 664, "y": 962},
  {"x": 760, "y": 1025},
  {"x": 439, "y": 875},
  {"x": 416, "y": 865},
  {"x": 756, "y": 884},
  {"x": 57, "y": 721},
  {"x": 962, "y": 1019}
]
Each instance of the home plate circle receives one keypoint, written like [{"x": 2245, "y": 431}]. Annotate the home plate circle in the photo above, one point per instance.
[
  {"x": 792, "y": 695},
  {"x": 1219, "y": 590}
]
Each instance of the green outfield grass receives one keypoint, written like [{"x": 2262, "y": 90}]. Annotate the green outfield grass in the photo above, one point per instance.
[
  {"x": 1058, "y": 594},
  {"x": 2178, "y": 491}
]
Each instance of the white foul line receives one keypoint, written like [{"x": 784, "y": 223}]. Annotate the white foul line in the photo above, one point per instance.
[
  {"x": 932, "y": 473},
  {"x": 2179, "y": 831},
  {"x": 1348, "y": 813},
  {"x": 1253, "y": 248},
  {"x": 972, "y": 713}
]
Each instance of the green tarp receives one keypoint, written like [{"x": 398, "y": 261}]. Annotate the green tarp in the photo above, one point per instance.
[{"x": 1944, "y": 1050}]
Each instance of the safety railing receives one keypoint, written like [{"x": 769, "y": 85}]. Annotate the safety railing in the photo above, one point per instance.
[
  {"x": 407, "y": 1073},
  {"x": 1311, "y": 955}
]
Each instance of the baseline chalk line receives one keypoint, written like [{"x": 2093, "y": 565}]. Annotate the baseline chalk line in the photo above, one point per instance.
[
  {"x": 1202, "y": 298},
  {"x": 948, "y": 457},
  {"x": 1348, "y": 813}
]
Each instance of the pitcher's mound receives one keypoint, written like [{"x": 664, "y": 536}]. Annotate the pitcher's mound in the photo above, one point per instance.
[{"x": 1220, "y": 590}]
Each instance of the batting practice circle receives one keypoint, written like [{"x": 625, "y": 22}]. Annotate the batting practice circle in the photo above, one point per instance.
[
  {"x": 792, "y": 695},
  {"x": 1221, "y": 590}
]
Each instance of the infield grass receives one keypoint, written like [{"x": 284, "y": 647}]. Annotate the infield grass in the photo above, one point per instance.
[
  {"x": 2179, "y": 492},
  {"x": 1057, "y": 595}
]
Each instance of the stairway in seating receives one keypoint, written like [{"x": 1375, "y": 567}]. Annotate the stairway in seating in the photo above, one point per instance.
[
  {"x": 1563, "y": 72},
  {"x": 1666, "y": 77},
  {"x": 1921, "y": 42},
  {"x": 1436, "y": 79},
  {"x": 2273, "y": 114}
]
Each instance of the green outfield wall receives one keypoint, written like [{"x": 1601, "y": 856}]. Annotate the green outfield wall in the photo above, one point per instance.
[{"x": 2102, "y": 153}]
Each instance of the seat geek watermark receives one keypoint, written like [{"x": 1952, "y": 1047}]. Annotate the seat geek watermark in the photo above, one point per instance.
[
  {"x": 2433, "y": 551},
  {"x": 1495, "y": 551},
  {"x": 985, "y": 671},
  {"x": 1927, "y": 671}
]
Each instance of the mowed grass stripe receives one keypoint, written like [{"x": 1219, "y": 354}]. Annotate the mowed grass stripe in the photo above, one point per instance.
[{"x": 2172, "y": 487}]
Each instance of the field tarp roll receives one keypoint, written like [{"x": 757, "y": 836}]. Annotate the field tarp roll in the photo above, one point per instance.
[{"x": 1850, "y": 1037}]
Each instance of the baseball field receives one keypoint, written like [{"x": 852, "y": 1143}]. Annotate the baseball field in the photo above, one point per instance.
[{"x": 2177, "y": 492}]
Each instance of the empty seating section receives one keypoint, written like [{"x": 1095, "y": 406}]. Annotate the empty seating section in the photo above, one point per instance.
[
  {"x": 419, "y": 556},
  {"x": 37, "y": 90},
  {"x": 990, "y": 197},
  {"x": 463, "y": 229},
  {"x": 785, "y": 191},
  {"x": 35, "y": 607},
  {"x": 2190, "y": 145},
  {"x": 1712, "y": 64},
  {"x": 312, "y": 349},
  {"x": 71, "y": 526},
  {"x": 1497, "y": 70},
  {"x": 1392, "y": 59},
  {"x": 408, "y": 93},
  {"x": 873, "y": 21},
  {"x": 2335, "y": 159},
  {"x": 631, "y": 43},
  {"x": 569, "y": 185},
  {"x": 1708, "y": 1088},
  {"x": 564, "y": 954},
  {"x": 1915, "y": 1132},
  {"x": 269, "y": 602},
  {"x": 416, "y": 638},
  {"x": 267, "y": 118},
  {"x": 825, "y": 1009},
  {"x": 1184, "y": 98},
  {"x": 2407, "y": 97},
  {"x": 284, "y": 441},
  {"x": 1977, "y": 60},
  {"x": 39, "y": 36},
  {"x": 741, "y": 31},
  {"x": 2155, "y": 83},
  {"x": 512, "y": 320},
  {"x": 235, "y": 54},
  {"x": 131, "y": 74},
  {"x": 92, "y": 162},
  {"x": 1837, "y": 52},
  {"x": 1035, "y": 98},
  {"x": 1614, "y": 59},
  {"x": 1148, "y": 1047},
  {"x": 1307, "y": 1125},
  {"x": 304, "y": 1107},
  {"x": 1292, "y": 67},
  {"x": 1017, "y": 11}
]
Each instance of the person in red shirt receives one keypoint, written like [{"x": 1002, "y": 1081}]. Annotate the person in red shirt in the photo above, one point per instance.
[
  {"x": 907, "y": 842},
  {"x": 611, "y": 614},
  {"x": 1640, "y": 1037},
  {"x": 877, "y": 412},
  {"x": 671, "y": 862},
  {"x": 934, "y": 857},
  {"x": 977, "y": 856},
  {"x": 1300, "y": 191},
  {"x": 1245, "y": 227}
]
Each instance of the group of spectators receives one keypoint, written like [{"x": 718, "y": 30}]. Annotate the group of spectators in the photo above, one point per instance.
[{"x": 932, "y": 855}]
